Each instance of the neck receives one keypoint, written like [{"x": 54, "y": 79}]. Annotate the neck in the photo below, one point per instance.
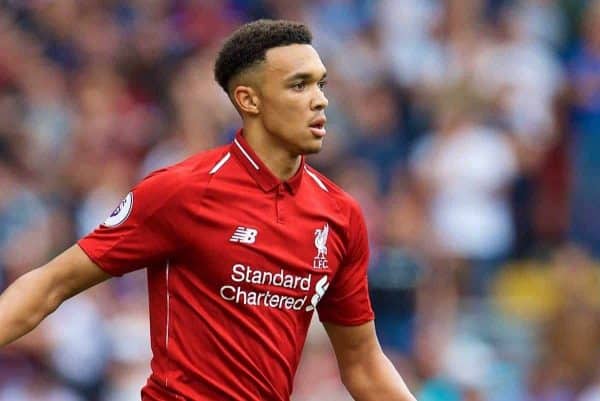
[{"x": 272, "y": 152}]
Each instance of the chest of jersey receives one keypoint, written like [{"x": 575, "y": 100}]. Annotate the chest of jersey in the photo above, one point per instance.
[{"x": 262, "y": 249}]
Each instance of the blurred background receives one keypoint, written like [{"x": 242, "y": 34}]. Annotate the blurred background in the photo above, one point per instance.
[{"x": 469, "y": 131}]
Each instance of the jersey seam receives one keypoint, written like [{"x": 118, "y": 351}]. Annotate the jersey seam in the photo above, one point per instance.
[
  {"x": 168, "y": 312},
  {"x": 122, "y": 237},
  {"x": 349, "y": 240}
]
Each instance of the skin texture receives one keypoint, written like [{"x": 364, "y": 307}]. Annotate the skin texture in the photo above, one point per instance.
[
  {"x": 278, "y": 100},
  {"x": 33, "y": 296},
  {"x": 366, "y": 372}
]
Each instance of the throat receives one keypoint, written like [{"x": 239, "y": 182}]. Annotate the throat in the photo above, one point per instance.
[
  {"x": 281, "y": 166},
  {"x": 280, "y": 161}
]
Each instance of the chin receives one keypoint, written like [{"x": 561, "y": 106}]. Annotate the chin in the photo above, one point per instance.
[{"x": 314, "y": 147}]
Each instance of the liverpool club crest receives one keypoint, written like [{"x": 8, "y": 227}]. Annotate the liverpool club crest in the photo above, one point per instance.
[{"x": 320, "y": 261}]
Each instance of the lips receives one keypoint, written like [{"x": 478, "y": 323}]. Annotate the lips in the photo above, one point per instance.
[{"x": 317, "y": 127}]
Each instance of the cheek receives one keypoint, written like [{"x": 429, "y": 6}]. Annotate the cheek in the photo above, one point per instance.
[{"x": 283, "y": 112}]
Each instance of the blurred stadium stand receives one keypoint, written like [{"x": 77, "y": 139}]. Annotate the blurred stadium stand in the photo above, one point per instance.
[{"x": 469, "y": 130}]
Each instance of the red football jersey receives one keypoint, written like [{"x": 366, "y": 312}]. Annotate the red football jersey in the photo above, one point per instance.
[{"x": 237, "y": 261}]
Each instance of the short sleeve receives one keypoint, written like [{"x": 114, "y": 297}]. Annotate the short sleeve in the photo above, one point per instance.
[
  {"x": 140, "y": 232},
  {"x": 347, "y": 301}
]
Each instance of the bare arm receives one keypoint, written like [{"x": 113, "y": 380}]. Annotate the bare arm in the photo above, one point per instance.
[
  {"x": 35, "y": 295},
  {"x": 366, "y": 372}
]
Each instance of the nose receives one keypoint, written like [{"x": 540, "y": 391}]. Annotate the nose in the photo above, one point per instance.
[{"x": 320, "y": 101}]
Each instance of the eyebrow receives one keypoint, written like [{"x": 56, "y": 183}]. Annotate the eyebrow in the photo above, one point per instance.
[{"x": 305, "y": 76}]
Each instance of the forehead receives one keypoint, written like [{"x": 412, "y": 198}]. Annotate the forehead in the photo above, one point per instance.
[{"x": 292, "y": 59}]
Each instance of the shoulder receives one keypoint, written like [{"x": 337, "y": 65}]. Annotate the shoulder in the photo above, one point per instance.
[
  {"x": 171, "y": 183},
  {"x": 192, "y": 168},
  {"x": 344, "y": 201},
  {"x": 198, "y": 164},
  {"x": 349, "y": 218}
]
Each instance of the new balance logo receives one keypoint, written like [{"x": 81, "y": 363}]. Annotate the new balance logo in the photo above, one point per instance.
[{"x": 244, "y": 235}]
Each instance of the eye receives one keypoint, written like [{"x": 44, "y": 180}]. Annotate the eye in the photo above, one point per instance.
[
  {"x": 299, "y": 86},
  {"x": 322, "y": 84}
]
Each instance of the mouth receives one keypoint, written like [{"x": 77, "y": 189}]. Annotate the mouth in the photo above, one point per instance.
[{"x": 317, "y": 127}]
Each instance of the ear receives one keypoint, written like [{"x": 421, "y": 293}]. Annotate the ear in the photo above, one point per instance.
[{"x": 246, "y": 98}]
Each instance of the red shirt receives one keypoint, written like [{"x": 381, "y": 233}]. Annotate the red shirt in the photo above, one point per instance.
[{"x": 237, "y": 261}]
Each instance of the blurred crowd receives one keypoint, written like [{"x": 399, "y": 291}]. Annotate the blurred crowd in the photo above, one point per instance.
[{"x": 468, "y": 130}]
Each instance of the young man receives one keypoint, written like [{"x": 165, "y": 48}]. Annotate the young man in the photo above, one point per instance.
[{"x": 241, "y": 245}]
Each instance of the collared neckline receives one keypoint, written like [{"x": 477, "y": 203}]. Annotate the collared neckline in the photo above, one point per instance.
[{"x": 259, "y": 171}]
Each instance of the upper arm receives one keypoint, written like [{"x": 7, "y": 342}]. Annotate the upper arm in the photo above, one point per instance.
[
  {"x": 144, "y": 230},
  {"x": 69, "y": 273},
  {"x": 365, "y": 371},
  {"x": 354, "y": 346}
]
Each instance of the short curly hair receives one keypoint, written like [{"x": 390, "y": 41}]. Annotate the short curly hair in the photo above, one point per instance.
[{"x": 248, "y": 45}]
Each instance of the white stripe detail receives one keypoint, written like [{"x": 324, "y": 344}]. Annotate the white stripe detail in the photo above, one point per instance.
[
  {"x": 168, "y": 321},
  {"x": 246, "y": 154},
  {"x": 220, "y": 163},
  {"x": 317, "y": 180}
]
